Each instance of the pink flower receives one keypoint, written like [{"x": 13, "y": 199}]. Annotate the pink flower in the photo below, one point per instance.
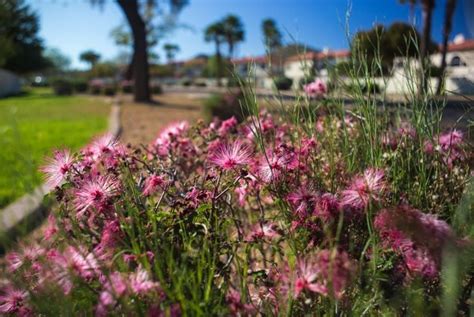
[
  {"x": 57, "y": 168},
  {"x": 303, "y": 201},
  {"x": 315, "y": 89},
  {"x": 12, "y": 300},
  {"x": 231, "y": 156},
  {"x": 83, "y": 263},
  {"x": 110, "y": 237},
  {"x": 27, "y": 254},
  {"x": 368, "y": 187},
  {"x": 405, "y": 230},
  {"x": 327, "y": 206},
  {"x": 328, "y": 273},
  {"x": 151, "y": 184},
  {"x": 227, "y": 126},
  {"x": 237, "y": 308},
  {"x": 262, "y": 232},
  {"x": 104, "y": 144},
  {"x": 163, "y": 143},
  {"x": 51, "y": 229},
  {"x": 115, "y": 286},
  {"x": 14, "y": 261},
  {"x": 95, "y": 193},
  {"x": 450, "y": 139},
  {"x": 273, "y": 164},
  {"x": 140, "y": 282},
  {"x": 307, "y": 277}
]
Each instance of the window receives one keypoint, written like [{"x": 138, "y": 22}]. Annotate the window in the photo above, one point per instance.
[{"x": 456, "y": 61}]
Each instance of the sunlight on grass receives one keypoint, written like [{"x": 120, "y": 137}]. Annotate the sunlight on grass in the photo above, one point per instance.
[{"x": 34, "y": 124}]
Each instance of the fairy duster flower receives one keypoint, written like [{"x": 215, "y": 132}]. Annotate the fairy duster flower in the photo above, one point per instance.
[
  {"x": 370, "y": 186},
  {"x": 57, "y": 168},
  {"x": 231, "y": 156}
]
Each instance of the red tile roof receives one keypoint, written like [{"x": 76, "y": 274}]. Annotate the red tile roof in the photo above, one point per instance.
[
  {"x": 250, "y": 59},
  {"x": 466, "y": 45},
  {"x": 319, "y": 55}
]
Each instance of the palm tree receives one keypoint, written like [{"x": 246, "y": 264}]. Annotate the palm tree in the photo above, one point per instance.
[
  {"x": 90, "y": 57},
  {"x": 233, "y": 32},
  {"x": 448, "y": 24},
  {"x": 271, "y": 35},
  {"x": 170, "y": 51},
  {"x": 215, "y": 33}
]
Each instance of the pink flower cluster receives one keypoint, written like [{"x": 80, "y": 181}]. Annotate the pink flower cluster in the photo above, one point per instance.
[
  {"x": 264, "y": 217},
  {"x": 418, "y": 237},
  {"x": 315, "y": 89}
]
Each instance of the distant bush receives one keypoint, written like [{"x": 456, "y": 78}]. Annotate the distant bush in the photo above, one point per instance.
[
  {"x": 225, "y": 106},
  {"x": 80, "y": 85},
  {"x": 156, "y": 89},
  {"x": 186, "y": 82},
  {"x": 364, "y": 88},
  {"x": 233, "y": 82},
  {"x": 96, "y": 86},
  {"x": 283, "y": 83},
  {"x": 126, "y": 86},
  {"x": 110, "y": 90},
  {"x": 62, "y": 87},
  {"x": 200, "y": 84},
  {"x": 305, "y": 81}
]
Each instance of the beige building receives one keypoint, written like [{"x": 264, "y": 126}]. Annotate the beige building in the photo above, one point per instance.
[
  {"x": 256, "y": 68},
  {"x": 459, "y": 70},
  {"x": 298, "y": 67}
]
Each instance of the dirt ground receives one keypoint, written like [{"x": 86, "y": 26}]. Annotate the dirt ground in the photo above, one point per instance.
[{"x": 141, "y": 123}]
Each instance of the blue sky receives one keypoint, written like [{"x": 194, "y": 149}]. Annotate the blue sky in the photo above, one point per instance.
[{"x": 74, "y": 25}]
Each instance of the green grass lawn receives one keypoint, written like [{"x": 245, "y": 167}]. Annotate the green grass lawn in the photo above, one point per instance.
[{"x": 34, "y": 124}]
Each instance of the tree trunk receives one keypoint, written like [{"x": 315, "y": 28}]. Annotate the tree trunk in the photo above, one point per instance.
[
  {"x": 231, "y": 50},
  {"x": 140, "y": 50},
  {"x": 128, "y": 75},
  {"x": 448, "y": 24},
  {"x": 428, "y": 6},
  {"x": 219, "y": 63}
]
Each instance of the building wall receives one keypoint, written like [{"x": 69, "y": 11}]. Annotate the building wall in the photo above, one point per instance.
[
  {"x": 9, "y": 83},
  {"x": 466, "y": 57}
]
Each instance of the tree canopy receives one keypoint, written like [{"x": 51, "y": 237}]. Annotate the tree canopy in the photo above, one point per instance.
[
  {"x": 90, "y": 57},
  {"x": 399, "y": 39},
  {"x": 170, "y": 51},
  {"x": 234, "y": 33},
  {"x": 57, "y": 60},
  {"x": 271, "y": 34},
  {"x": 21, "y": 49}
]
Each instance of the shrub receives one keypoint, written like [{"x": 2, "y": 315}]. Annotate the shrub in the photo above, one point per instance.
[
  {"x": 283, "y": 83},
  {"x": 233, "y": 81},
  {"x": 225, "y": 106},
  {"x": 80, "y": 86},
  {"x": 126, "y": 86},
  {"x": 156, "y": 89},
  {"x": 186, "y": 82},
  {"x": 200, "y": 84},
  {"x": 364, "y": 88},
  {"x": 62, "y": 87},
  {"x": 110, "y": 90},
  {"x": 96, "y": 86},
  {"x": 267, "y": 208},
  {"x": 305, "y": 81}
]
